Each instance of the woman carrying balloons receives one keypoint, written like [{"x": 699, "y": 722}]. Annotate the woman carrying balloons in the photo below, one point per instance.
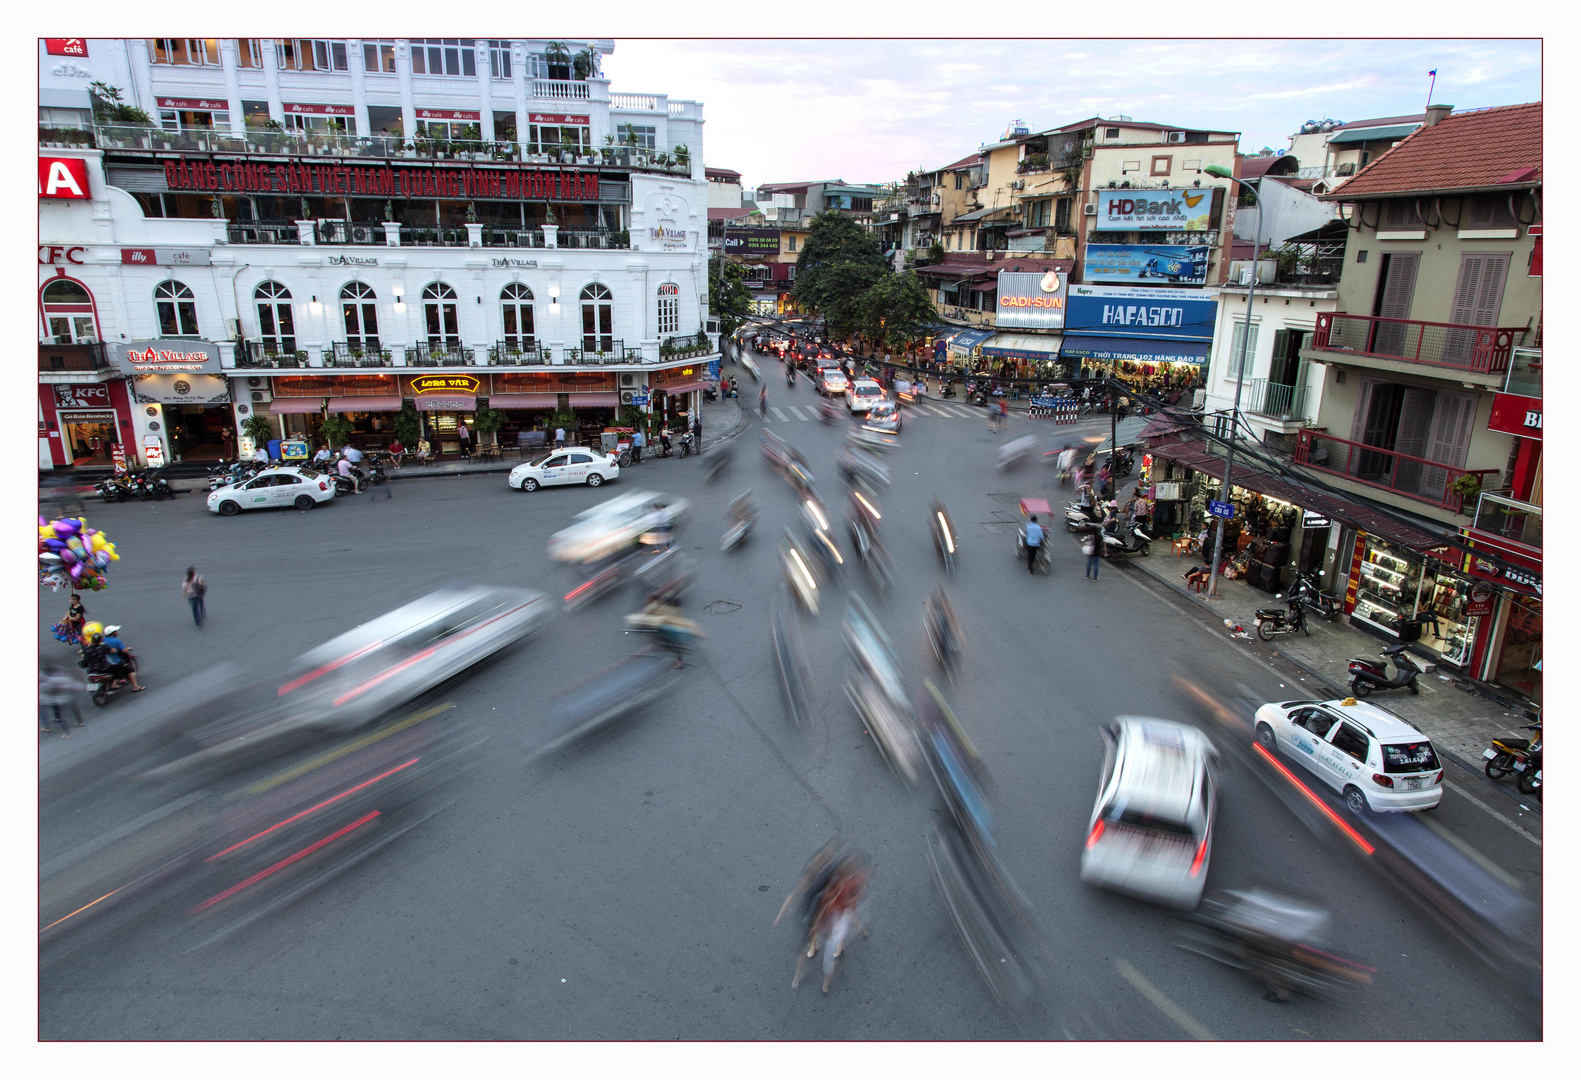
[{"x": 69, "y": 629}]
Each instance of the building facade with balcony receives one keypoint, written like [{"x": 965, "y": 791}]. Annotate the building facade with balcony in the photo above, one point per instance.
[{"x": 356, "y": 274}]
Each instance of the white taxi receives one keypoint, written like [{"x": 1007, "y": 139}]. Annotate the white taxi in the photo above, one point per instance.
[
  {"x": 1151, "y": 830},
  {"x": 571, "y": 465},
  {"x": 1374, "y": 759},
  {"x": 862, "y": 393},
  {"x": 290, "y": 485}
]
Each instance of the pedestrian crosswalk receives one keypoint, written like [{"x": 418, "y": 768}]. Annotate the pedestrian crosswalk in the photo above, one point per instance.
[{"x": 933, "y": 410}]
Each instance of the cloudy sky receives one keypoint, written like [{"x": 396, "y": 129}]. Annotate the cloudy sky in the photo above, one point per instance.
[{"x": 787, "y": 109}]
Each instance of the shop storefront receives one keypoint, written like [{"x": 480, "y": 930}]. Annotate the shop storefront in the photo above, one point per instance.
[
  {"x": 84, "y": 423},
  {"x": 1510, "y": 652},
  {"x": 368, "y": 401},
  {"x": 1151, "y": 338},
  {"x": 444, "y": 403},
  {"x": 181, "y": 399},
  {"x": 1023, "y": 356},
  {"x": 674, "y": 395},
  {"x": 1391, "y": 584}
]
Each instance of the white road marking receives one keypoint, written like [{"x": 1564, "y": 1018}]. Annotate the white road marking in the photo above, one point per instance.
[
  {"x": 1474, "y": 801},
  {"x": 797, "y": 411},
  {"x": 775, "y": 410},
  {"x": 1162, "y": 1002}
]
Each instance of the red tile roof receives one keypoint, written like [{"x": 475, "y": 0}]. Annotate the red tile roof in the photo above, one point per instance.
[
  {"x": 712, "y": 171},
  {"x": 965, "y": 162},
  {"x": 1478, "y": 149}
]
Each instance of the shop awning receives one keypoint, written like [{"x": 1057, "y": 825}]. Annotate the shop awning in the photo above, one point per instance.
[
  {"x": 602, "y": 399},
  {"x": 382, "y": 403},
  {"x": 1194, "y": 454},
  {"x": 965, "y": 341},
  {"x": 523, "y": 401},
  {"x": 684, "y": 388},
  {"x": 296, "y": 405},
  {"x": 445, "y": 402},
  {"x": 1140, "y": 350},
  {"x": 1023, "y": 346}
]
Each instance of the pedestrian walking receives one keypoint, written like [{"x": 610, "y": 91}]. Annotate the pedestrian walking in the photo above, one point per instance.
[
  {"x": 57, "y": 690},
  {"x": 763, "y": 403},
  {"x": 638, "y": 441},
  {"x": 697, "y": 432},
  {"x": 464, "y": 437},
  {"x": 559, "y": 438},
  {"x": 1089, "y": 548},
  {"x": 194, "y": 588}
]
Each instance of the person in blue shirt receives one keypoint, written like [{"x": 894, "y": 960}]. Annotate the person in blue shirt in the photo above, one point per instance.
[{"x": 1034, "y": 541}]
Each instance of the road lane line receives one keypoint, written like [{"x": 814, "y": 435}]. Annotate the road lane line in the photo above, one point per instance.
[
  {"x": 1164, "y": 1005},
  {"x": 1474, "y": 801},
  {"x": 1470, "y": 852},
  {"x": 308, "y": 766},
  {"x": 775, "y": 410}
]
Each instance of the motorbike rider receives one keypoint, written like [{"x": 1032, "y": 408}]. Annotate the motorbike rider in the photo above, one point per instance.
[
  {"x": 345, "y": 469},
  {"x": 664, "y": 442},
  {"x": 1034, "y": 539},
  {"x": 108, "y": 656}
]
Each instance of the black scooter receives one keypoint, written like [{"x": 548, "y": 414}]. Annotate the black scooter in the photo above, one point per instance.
[
  {"x": 1272, "y": 622},
  {"x": 1369, "y": 675},
  {"x": 1306, "y": 587}
]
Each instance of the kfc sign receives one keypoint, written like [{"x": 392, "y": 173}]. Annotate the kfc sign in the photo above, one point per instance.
[
  {"x": 66, "y": 46},
  {"x": 55, "y": 255},
  {"x": 63, "y": 178},
  {"x": 82, "y": 396}
]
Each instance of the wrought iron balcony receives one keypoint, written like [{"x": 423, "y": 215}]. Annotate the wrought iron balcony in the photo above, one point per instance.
[
  {"x": 434, "y": 353},
  {"x": 270, "y": 354},
  {"x": 77, "y": 356},
  {"x": 349, "y": 232},
  {"x": 1276, "y": 400},
  {"x": 1403, "y": 474},
  {"x": 262, "y": 232},
  {"x": 1484, "y": 350},
  {"x": 574, "y": 237},
  {"x": 531, "y": 237},
  {"x": 434, "y": 236},
  {"x": 685, "y": 346},
  {"x": 520, "y": 352},
  {"x": 603, "y": 351},
  {"x": 366, "y": 355}
]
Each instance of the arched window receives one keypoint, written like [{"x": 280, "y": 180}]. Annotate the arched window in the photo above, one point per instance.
[
  {"x": 439, "y": 308},
  {"x": 669, "y": 308},
  {"x": 68, "y": 312},
  {"x": 361, "y": 309},
  {"x": 598, "y": 319},
  {"x": 276, "y": 327},
  {"x": 176, "y": 309},
  {"x": 516, "y": 305}
]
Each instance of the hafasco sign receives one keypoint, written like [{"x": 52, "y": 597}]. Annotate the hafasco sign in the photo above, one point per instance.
[
  {"x": 1187, "y": 209},
  {"x": 1140, "y": 311},
  {"x": 167, "y": 354},
  {"x": 63, "y": 178},
  {"x": 1034, "y": 300},
  {"x": 445, "y": 384},
  {"x": 304, "y": 178}
]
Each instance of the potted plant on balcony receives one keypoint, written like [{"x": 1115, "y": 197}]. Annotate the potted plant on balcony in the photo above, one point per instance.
[
  {"x": 1468, "y": 486},
  {"x": 557, "y": 56},
  {"x": 584, "y": 64},
  {"x": 683, "y": 156}
]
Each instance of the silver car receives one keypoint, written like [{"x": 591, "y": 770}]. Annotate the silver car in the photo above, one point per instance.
[
  {"x": 600, "y": 531},
  {"x": 1151, "y": 831}
]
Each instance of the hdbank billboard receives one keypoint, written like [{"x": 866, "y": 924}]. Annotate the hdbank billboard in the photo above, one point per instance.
[
  {"x": 1177, "y": 209},
  {"x": 1032, "y": 301},
  {"x": 1140, "y": 311}
]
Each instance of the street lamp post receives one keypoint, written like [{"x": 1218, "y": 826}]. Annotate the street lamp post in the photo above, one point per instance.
[{"x": 1240, "y": 374}]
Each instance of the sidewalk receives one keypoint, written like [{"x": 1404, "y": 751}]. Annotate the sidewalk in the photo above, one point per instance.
[{"x": 1459, "y": 715}]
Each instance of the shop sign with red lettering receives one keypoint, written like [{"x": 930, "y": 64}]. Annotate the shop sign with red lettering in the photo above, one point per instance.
[
  {"x": 555, "y": 118},
  {"x": 66, "y": 46},
  {"x": 63, "y": 178},
  {"x": 319, "y": 110},
  {"x": 446, "y": 114},
  {"x": 166, "y": 354},
  {"x": 303, "y": 177},
  {"x": 195, "y": 104},
  {"x": 55, "y": 255},
  {"x": 1479, "y": 601}
]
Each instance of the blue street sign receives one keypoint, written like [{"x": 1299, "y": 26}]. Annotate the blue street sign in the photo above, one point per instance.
[
  {"x": 1221, "y": 509},
  {"x": 639, "y": 400}
]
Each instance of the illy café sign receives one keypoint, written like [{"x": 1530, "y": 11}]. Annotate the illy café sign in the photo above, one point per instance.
[{"x": 166, "y": 355}]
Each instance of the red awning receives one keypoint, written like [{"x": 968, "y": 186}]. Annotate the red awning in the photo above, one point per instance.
[
  {"x": 365, "y": 404},
  {"x": 296, "y": 405},
  {"x": 685, "y": 388},
  {"x": 604, "y": 398},
  {"x": 523, "y": 401}
]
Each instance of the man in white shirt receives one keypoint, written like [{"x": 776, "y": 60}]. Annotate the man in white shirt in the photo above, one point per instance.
[
  {"x": 353, "y": 455},
  {"x": 261, "y": 455},
  {"x": 322, "y": 457},
  {"x": 559, "y": 437}
]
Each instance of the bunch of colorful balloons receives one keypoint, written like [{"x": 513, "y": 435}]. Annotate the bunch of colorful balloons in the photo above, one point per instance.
[{"x": 71, "y": 555}]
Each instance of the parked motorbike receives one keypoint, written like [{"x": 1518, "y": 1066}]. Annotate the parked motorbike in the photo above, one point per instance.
[
  {"x": 1079, "y": 518},
  {"x": 948, "y": 391},
  {"x": 1523, "y": 756},
  {"x": 114, "y": 489},
  {"x": 686, "y": 443},
  {"x": 1272, "y": 622},
  {"x": 1306, "y": 588},
  {"x": 1369, "y": 675},
  {"x": 710, "y": 394},
  {"x": 375, "y": 471},
  {"x": 1126, "y": 540}
]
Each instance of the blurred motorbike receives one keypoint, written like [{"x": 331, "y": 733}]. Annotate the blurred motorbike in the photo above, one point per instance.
[
  {"x": 944, "y": 537},
  {"x": 875, "y": 691},
  {"x": 801, "y": 571},
  {"x": 741, "y": 514},
  {"x": 944, "y": 632},
  {"x": 862, "y": 519},
  {"x": 1278, "y": 939},
  {"x": 1015, "y": 452},
  {"x": 791, "y": 659},
  {"x": 717, "y": 461}
]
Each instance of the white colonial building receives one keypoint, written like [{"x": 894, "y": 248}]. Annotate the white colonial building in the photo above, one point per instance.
[{"x": 192, "y": 276}]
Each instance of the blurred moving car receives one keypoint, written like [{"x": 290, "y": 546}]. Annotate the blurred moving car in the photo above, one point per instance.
[
  {"x": 600, "y": 531},
  {"x": 572, "y": 465},
  {"x": 832, "y": 381},
  {"x": 1151, "y": 830},
  {"x": 1373, "y": 758},
  {"x": 883, "y": 415},
  {"x": 862, "y": 393},
  {"x": 288, "y": 485}
]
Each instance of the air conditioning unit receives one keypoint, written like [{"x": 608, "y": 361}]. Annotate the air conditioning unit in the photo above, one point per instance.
[
  {"x": 626, "y": 396},
  {"x": 1175, "y": 136},
  {"x": 1017, "y": 185},
  {"x": 260, "y": 395},
  {"x": 255, "y": 380},
  {"x": 363, "y": 234},
  {"x": 1089, "y": 209},
  {"x": 628, "y": 379},
  {"x": 242, "y": 408}
]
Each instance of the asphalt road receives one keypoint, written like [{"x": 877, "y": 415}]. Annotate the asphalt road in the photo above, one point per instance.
[{"x": 627, "y": 891}]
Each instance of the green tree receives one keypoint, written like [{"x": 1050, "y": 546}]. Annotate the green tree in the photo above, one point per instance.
[
  {"x": 729, "y": 299},
  {"x": 487, "y": 422},
  {"x": 407, "y": 426},
  {"x": 897, "y": 311},
  {"x": 335, "y": 430},
  {"x": 260, "y": 429},
  {"x": 108, "y": 108},
  {"x": 837, "y": 265}
]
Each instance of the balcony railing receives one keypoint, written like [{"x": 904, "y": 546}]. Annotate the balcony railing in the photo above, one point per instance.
[
  {"x": 434, "y": 236},
  {"x": 262, "y": 232},
  {"x": 1276, "y": 400},
  {"x": 522, "y": 352},
  {"x": 516, "y": 238},
  {"x": 603, "y": 351},
  {"x": 369, "y": 355},
  {"x": 562, "y": 90},
  {"x": 1403, "y": 474},
  {"x": 1481, "y": 349},
  {"x": 683, "y": 346},
  {"x": 1509, "y": 518},
  {"x": 269, "y": 354},
  {"x": 644, "y": 102},
  {"x": 436, "y": 354},
  {"x": 573, "y": 237},
  {"x": 79, "y": 356}
]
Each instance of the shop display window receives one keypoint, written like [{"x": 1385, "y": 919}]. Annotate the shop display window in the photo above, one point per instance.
[
  {"x": 1386, "y": 594},
  {"x": 1521, "y": 653},
  {"x": 1445, "y": 596}
]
